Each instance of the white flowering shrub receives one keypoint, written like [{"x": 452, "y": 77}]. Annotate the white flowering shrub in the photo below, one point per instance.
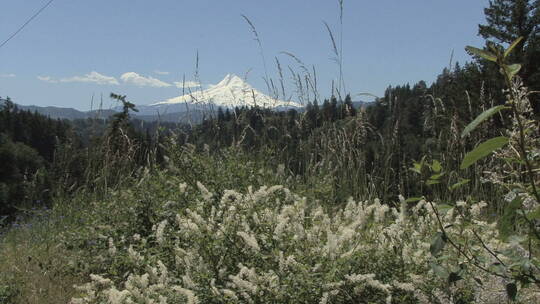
[{"x": 272, "y": 246}]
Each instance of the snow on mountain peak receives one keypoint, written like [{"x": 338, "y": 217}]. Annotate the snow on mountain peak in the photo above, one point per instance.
[
  {"x": 232, "y": 91},
  {"x": 231, "y": 79}
]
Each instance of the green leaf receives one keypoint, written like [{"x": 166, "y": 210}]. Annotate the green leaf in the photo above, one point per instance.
[
  {"x": 436, "y": 166},
  {"x": 432, "y": 182},
  {"x": 480, "y": 118},
  {"x": 526, "y": 266},
  {"x": 511, "y": 291},
  {"x": 437, "y": 244},
  {"x": 497, "y": 268},
  {"x": 439, "y": 271},
  {"x": 414, "y": 199},
  {"x": 512, "y": 69},
  {"x": 482, "y": 53},
  {"x": 512, "y": 46},
  {"x": 437, "y": 176},
  {"x": 434, "y": 179},
  {"x": 515, "y": 239},
  {"x": 461, "y": 182},
  {"x": 416, "y": 168},
  {"x": 513, "y": 160},
  {"x": 483, "y": 150},
  {"x": 443, "y": 208}
]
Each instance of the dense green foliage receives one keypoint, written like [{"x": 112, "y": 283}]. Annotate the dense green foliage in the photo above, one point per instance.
[
  {"x": 27, "y": 146},
  {"x": 40, "y": 156}
]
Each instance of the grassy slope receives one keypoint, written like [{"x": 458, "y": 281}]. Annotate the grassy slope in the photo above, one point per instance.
[
  {"x": 43, "y": 256},
  {"x": 42, "y": 260}
]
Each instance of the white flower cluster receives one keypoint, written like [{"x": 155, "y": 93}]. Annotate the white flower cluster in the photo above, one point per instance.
[{"x": 269, "y": 245}]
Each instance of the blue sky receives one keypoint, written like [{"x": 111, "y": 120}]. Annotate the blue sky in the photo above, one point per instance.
[{"x": 140, "y": 48}]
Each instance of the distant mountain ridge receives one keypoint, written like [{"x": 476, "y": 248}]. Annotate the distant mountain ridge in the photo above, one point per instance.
[
  {"x": 194, "y": 115},
  {"x": 64, "y": 113},
  {"x": 229, "y": 93}
]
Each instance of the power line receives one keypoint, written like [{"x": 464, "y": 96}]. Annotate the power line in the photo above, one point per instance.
[{"x": 26, "y": 23}]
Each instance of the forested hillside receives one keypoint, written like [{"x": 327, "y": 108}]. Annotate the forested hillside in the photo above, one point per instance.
[
  {"x": 41, "y": 156},
  {"x": 27, "y": 148}
]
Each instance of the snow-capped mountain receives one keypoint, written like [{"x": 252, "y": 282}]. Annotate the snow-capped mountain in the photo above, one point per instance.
[{"x": 232, "y": 91}]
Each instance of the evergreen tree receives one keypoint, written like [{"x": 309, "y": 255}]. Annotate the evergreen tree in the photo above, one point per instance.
[
  {"x": 507, "y": 20},
  {"x": 220, "y": 115},
  {"x": 348, "y": 107},
  {"x": 228, "y": 115},
  {"x": 326, "y": 111},
  {"x": 311, "y": 115},
  {"x": 334, "y": 108},
  {"x": 120, "y": 129},
  {"x": 317, "y": 115}
]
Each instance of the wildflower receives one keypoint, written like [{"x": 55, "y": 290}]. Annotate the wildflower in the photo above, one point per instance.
[
  {"x": 529, "y": 203},
  {"x": 250, "y": 240},
  {"x": 100, "y": 280},
  {"x": 404, "y": 286},
  {"x": 274, "y": 189},
  {"x": 163, "y": 278},
  {"x": 207, "y": 195},
  {"x": 348, "y": 253},
  {"x": 379, "y": 212},
  {"x": 355, "y": 278},
  {"x": 187, "y": 224},
  {"x": 282, "y": 221},
  {"x": 117, "y": 297},
  {"x": 419, "y": 206},
  {"x": 331, "y": 243},
  {"x": 77, "y": 301},
  {"x": 280, "y": 170},
  {"x": 160, "y": 230},
  {"x": 215, "y": 291},
  {"x": 190, "y": 295},
  {"x": 346, "y": 235},
  {"x": 230, "y": 196},
  {"x": 196, "y": 217},
  {"x": 182, "y": 187},
  {"x": 510, "y": 196},
  {"x": 324, "y": 299},
  {"x": 260, "y": 195},
  {"x": 162, "y": 300},
  {"x": 112, "y": 248},
  {"x": 229, "y": 294},
  {"x": 134, "y": 255},
  {"x": 188, "y": 281},
  {"x": 243, "y": 284},
  {"x": 477, "y": 208},
  {"x": 449, "y": 215},
  {"x": 256, "y": 218}
]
